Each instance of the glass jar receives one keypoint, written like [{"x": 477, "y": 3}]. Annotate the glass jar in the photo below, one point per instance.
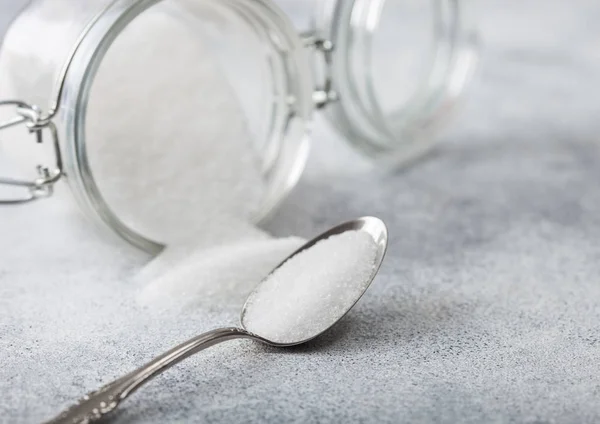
[{"x": 329, "y": 68}]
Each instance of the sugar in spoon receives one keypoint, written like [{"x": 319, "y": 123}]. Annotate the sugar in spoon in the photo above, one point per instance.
[{"x": 301, "y": 298}]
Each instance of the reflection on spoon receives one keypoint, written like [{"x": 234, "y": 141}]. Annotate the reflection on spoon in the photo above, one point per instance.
[{"x": 301, "y": 298}]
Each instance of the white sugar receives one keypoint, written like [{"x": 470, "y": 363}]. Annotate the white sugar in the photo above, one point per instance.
[
  {"x": 167, "y": 139},
  {"x": 218, "y": 277},
  {"x": 310, "y": 292},
  {"x": 221, "y": 233}
]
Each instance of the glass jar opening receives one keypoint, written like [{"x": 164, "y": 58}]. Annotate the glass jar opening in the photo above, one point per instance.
[{"x": 397, "y": 66}]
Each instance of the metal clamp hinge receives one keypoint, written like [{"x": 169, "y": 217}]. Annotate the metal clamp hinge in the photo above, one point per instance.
[
  {"x": 324, "y": 92},
  {"x": 47, "y": 176}
]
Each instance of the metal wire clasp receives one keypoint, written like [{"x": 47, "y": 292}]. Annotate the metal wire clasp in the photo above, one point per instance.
[
  {"x": 324, "y": 92},
  {"x": 37, "y": 124}
]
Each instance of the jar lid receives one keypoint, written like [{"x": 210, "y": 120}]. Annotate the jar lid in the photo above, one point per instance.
[{"x": 369, "y": 47}]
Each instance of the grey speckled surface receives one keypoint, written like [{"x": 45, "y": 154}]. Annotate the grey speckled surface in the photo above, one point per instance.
[{"x": 487, "y": 309}]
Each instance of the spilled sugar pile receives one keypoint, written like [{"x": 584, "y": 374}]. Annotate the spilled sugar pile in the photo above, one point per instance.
[
  {"x": 312, "y": 290},
  {"x": 220, "y": 275}
]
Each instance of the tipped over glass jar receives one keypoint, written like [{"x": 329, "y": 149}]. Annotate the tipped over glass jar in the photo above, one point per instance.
[{"x": 160, "y": 88}]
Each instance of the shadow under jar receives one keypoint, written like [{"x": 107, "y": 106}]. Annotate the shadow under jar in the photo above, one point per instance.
[{"x": 280, "y": 76}]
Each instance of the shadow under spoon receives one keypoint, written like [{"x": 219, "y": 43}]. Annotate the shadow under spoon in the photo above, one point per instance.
[{"x": 257, "y": 311}]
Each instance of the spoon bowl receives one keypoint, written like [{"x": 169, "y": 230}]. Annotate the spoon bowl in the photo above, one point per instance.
[
  {"x": 101, "y": 402},
  {"x": 372, "y": 226}
]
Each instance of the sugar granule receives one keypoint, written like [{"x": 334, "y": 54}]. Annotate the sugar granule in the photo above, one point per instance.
[{"x": 310, "y": 292}]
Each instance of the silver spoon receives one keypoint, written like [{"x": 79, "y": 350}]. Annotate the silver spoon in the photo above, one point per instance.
[{"x": 99, "y": 403}]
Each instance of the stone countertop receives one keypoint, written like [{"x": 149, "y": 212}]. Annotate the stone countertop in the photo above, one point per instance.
[{"x": 486, "y": 309}]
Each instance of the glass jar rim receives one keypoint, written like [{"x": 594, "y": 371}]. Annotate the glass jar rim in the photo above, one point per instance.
[{"x": 357, "y": 114}]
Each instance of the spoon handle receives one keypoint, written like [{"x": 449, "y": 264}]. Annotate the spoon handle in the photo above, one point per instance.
[{"x": 104, "y": 400}]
